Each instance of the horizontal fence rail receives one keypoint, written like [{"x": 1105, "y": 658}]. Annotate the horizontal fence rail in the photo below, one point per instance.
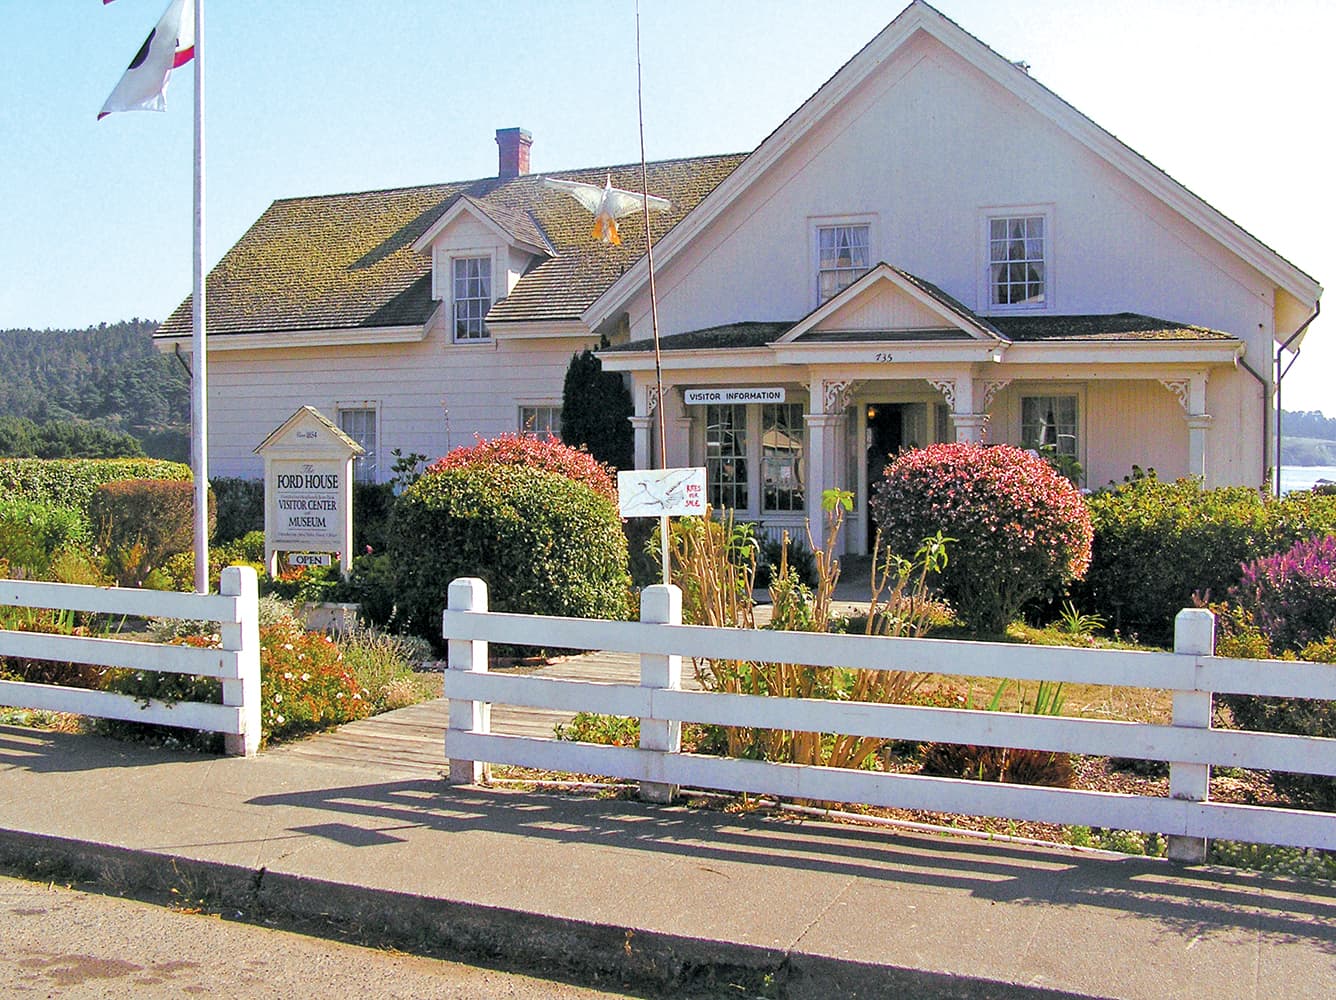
[
  {"x": 1191, "y": 746},
  {"x": 236, "y": 663}
]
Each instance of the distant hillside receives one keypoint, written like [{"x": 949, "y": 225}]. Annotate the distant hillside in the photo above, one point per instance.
[
  {"x": 109, "y": 375},
  {"x": 1308, "y": 424}
]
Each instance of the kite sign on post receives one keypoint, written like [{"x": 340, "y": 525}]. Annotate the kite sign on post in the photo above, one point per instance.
[{"x": 662, "y": 493}]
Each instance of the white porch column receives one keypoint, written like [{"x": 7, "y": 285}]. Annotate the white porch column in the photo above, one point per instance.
[
  {"x": 643, "y": 448},
  {"x": 959, "y": 391},
  {"x": 1191, "y": 395},
  {"x": 645, "y": 398},
  {"x": 828, "y": 401}
]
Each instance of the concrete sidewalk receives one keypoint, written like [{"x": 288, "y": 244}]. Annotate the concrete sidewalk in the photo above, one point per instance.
[{"x": 667, "y": 897}]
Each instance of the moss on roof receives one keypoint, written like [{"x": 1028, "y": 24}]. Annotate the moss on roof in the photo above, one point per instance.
[{"x": 347, "y": 260}]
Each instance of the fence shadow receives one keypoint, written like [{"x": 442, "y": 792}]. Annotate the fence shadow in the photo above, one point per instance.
[{"x": 1191, "y": 900}]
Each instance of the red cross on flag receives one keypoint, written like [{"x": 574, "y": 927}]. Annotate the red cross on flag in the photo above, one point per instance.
[{"x": 169, "y": 45}]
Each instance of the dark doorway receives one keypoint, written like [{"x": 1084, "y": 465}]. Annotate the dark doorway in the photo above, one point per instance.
[{"x": 885, "y": 437}]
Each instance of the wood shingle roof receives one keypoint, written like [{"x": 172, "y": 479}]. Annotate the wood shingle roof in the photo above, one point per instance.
[{"x": 347, "y": 261}]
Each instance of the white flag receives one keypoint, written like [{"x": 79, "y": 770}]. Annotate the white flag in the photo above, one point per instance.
[{"x": 169, "y": 45}]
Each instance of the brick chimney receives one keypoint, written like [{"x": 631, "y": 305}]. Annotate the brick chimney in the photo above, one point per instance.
[{"x": 512, "y": 152}]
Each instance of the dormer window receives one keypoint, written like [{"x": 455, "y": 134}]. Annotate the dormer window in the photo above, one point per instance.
[
  {"x": 1017, "y": 262},
  {"x": 842, "y": 258},
  {"x": 472, "y": 294}
]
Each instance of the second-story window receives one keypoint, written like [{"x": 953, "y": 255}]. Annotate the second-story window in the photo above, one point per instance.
[
  {"x": 1016, "y": 261},
  {"x": 843, "y": 258},
  {"x": 472, "y": 296}
]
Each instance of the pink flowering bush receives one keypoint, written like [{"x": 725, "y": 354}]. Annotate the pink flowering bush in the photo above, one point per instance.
[
  {"x": 546, "y": 453},
  {"x": 304, "y": 683},
  {"x": 1018, "y": 529},
  {"x": 1292, "y": 595}
]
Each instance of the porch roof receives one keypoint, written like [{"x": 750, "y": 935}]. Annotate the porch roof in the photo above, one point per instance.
[{"x": 1102, "y": 327}]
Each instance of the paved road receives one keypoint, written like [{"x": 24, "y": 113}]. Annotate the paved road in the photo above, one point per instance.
[{"x": 58, "y": 942}]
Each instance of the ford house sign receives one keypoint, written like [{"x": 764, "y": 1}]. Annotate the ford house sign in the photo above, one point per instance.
[{"x": 308, "y": 505}]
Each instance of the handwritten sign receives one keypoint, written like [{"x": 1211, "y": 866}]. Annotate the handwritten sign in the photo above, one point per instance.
[{"x": 661, "y": 492}]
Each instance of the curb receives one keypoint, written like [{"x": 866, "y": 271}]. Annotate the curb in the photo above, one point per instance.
[{"x": 558, "y": 947}]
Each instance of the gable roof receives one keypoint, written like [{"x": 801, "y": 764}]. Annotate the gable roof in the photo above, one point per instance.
[
  {"x": 920, "y": 16},
  {"x": 953, "y": 314},
  {"x": 347, "y": 261}
]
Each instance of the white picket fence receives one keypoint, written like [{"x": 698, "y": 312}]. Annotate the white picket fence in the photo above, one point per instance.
[
  {"x": 236, "y": 663},
  {"x": 1187, "y": 816}
]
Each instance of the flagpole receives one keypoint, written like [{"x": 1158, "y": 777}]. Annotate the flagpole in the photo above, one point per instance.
[
  {"x": 199, "y": 386},
  {"x": 653, "y": 302}
]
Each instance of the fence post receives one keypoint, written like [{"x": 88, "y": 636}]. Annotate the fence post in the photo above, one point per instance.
[
  {"x": 467, "y": 594},
  {"x": 660, "y": 604},
  {"x": 243, "y": 636},
  {"x": 1194, "y": 635}
]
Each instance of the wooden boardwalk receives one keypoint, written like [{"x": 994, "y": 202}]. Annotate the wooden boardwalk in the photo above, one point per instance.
[{"x": 412, "y": 740}]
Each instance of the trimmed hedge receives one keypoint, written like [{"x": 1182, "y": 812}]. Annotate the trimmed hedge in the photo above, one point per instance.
[
  {"x": 544, "y": 544},
  {"x": 240, "y": 505},
  {"x": 595, "y": 412},
  {"x": 71, "y": 482},
  {"x": 1017, "y": 529},
  {"x": 153, "y": 516},
  {"x": 1158, "y": 543}
]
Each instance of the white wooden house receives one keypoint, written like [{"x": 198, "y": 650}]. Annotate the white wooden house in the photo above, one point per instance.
[{"x": 933, "y": 247}]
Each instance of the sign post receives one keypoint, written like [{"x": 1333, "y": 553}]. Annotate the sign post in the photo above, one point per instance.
[
  {"x": 662, "y": 493},
  {"x": 308, "y": 491}
]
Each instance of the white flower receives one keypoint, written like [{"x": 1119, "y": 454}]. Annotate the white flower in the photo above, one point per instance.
[
  {"x": 306, "y": 677},
  {"x": 278, "y": 698}
]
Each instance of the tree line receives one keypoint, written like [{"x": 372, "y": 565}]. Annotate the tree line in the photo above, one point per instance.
[{"x": 97, "y": 392}]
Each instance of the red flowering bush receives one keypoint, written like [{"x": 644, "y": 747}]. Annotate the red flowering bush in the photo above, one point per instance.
[
  {"x": 546, "y": 453},
  {"x": 304, "y": 683},
  {"x": 1020, "y": 530},
  {"x": 1292, "y": 595}
]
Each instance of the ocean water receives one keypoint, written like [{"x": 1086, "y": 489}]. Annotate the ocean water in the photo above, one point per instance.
[{"x": 1302, "y": 477}]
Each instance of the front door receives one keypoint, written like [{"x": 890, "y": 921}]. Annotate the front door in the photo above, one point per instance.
[{"x": 884, "y": 437}]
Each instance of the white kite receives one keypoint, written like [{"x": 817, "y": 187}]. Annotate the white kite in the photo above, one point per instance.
[{"x": 608, "y": 205}]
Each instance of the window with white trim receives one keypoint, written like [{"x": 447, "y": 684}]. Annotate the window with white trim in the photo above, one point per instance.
[
  {"x": 472, "y": 296},
  {"x": 843, "y": 256},
  {"x": 1051, "y": 422},
  {"x": 1017, "y": 261},
  {"x": 726, "y": 479},
  {"x": 783, "y": 465},
  {"x": 360, "y": 425},
  {"x": 540, "y": 421}
]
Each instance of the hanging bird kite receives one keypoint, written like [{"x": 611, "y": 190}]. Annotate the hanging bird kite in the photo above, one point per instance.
[{"x": 608, "y": 205}]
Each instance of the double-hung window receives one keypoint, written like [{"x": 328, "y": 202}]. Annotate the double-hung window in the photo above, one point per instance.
[
  {"x": 842, "y": 258},
  {"x": 540, "y": 421},
  {"x": 1051, "y": 422},
  {"x": 472, "y": 293},
  {"x": 1017, "y": 261},
  {"x": 783, "y": 469},
  {"x": 726, "y": 476},
  {"x": 359, "y": 423}
]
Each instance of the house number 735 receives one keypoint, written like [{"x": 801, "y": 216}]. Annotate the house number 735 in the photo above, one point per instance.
[{"x": 881, "y": 357}]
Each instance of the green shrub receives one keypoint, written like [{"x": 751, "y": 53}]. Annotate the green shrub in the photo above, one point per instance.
[
  {"x": 240, "y": 507},
  {"x": 179, "y": 570},
  {"x": 140, "y": 522},
  {"x": 70, "y": 483},
  {"x": 1158, "y": 543},
  {"x": 31, "y": 532},
  {"x": 373, "y": 503},
  {"x": 1017, "y": 530},
  {"x": 544, "y": 543},
  {"x": 1299, "y": 716}
]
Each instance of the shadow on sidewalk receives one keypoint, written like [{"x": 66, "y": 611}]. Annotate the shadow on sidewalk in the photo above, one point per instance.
[
  {"x": 1189, "y": 900},
  {"x": 41, "y": 752}
]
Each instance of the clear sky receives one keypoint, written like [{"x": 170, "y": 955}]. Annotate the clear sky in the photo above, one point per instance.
[{"x": 1233, "y": 98}]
